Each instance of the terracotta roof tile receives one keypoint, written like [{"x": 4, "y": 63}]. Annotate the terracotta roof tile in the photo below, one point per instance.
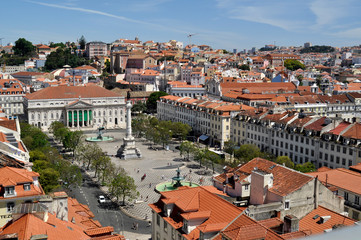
[
  {"x": 63, "y": 92},
  {"x": 315, "y": 225}
]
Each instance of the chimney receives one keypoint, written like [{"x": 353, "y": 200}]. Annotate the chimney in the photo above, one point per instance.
[
  {"x": 291, "y": 224},
  {"x": 316, "y": 193}
]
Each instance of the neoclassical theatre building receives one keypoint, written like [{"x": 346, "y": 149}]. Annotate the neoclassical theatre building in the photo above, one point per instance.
[{"x": 78, "y": 107}]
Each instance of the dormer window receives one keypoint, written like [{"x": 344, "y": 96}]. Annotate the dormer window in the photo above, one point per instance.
[
  {"x": 9, "y": 191},
  {"x": 27, "y": 187}
]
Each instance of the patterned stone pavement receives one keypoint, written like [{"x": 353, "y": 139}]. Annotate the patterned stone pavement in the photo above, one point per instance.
[{"x": 158, "y": 165}]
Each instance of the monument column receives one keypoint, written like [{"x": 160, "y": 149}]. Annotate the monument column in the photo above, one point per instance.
[
  {"x": 128, "y": 150},
  {"x": 129, "y": 119}
]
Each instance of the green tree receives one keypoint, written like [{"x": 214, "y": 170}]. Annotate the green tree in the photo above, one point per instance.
[
  {"x": 139, "y": 107},
  {"x": 212, "y": 158},
  {"x": 37, "y": 154},
  {"x": 53, "y": 45},
  {"x": 89, "y": 152},
  {"x": 33, "y": 137},
  {"x": 63, "y": 56},
  {"x": 152, "y": 101},
  {"x": 40, "y": 165},
  {"x": 69, "y": 174},
  {"x": 244, "y": 67},
  {"x": 229, "y": 147},
  {"x": 140, "y": 125},
  {"x": 100, "y": 163},
  {"x": 123, "y": 186},
  {"x": 247, "y": 152},
  {"x": 299, "y": 77},
  {"x": 286, "y": 161},
  {"x": 49, "y": 179},
  {"x": 306, "y": 167},
  {"x": 24, "y": 48},
  {"x": 82, "y": 42},
  {"x": 318, "y": 49},
  {"x": 73, "y": 140},
  {"x": 292, "y": 64},
  {"x": 180, "y": 130},
  {"x": 187, "y": 148}
]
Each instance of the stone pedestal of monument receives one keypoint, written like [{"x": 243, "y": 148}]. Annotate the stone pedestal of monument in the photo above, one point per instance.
[{"x": 128, "y": 150}]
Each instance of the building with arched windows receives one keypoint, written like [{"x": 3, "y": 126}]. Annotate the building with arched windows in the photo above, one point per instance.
[{"x": 78, "y": 107}]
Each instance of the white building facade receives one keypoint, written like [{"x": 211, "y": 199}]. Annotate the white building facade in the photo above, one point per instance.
[{"x": 78, "y": 107}]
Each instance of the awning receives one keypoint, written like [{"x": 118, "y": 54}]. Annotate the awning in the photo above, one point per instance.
[{"x": 203, "y": 137}]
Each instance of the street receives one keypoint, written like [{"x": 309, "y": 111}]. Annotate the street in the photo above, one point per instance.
[{"x": 110, "y": 214}]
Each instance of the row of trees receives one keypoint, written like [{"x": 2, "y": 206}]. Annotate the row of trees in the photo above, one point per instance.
[
  {"x": 201, "y": 155},
  {"x": 157, "y": 131},
  {"x": 64, "y": 56},
  {"x": 247, "y": 152},
  {"x": 54, "y": 170},
  {"x": 92, "y": 156}
]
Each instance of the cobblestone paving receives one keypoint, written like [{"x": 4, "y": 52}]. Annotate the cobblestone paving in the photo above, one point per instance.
[{"x": 158, "y": 165}]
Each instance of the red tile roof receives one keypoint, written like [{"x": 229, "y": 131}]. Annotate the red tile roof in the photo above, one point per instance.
[
  {"x": 315, "y": 225},
  {"x": 341, "y": 178},
  {"x": 353, "y": 132},
  {"x": 64, "y": 92},
  {"x": 281, "y": 185},
  {"x": 197, "y": 202},
  {"x": 340, "y": 128}
]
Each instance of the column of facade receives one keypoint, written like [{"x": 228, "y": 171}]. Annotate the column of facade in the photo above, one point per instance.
[
  {"x": 88, "y": 117},
  {"x": 72, "y": 119},
  {"x": 67, "y": 118},
  {"x": 77, "y": 118}
]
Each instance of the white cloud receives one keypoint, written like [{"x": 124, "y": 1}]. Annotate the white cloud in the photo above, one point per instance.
[
  {"x": 85, "y": 10},
  {"x": 329, "y": 11},
  {"x": 281, "y": 14}
]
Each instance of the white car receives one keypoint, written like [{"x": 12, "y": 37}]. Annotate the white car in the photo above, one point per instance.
[{"x": 101, "y": 199}]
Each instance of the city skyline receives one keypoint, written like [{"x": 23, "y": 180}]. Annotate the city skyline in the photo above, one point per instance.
[{"x": 224, "y": 24}]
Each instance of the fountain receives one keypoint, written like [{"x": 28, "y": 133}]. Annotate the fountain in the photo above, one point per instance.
[
  {"x": 99, "y": 137},
  {"x": 179, "y": 182},
  {"x": 178, "y": 179}
]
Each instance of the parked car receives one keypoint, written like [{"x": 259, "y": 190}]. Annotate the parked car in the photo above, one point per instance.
[{"x": 101, "y": 199}]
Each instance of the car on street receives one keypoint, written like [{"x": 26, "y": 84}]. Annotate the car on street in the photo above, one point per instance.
[{"x": 101, "y": 199}]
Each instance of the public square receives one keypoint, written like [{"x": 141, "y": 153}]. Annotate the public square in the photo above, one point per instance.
[{"x": 158, "y": 165}]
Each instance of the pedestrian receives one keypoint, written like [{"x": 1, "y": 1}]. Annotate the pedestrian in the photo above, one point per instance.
[
  {"x": 136, "y": 226},
  {"x": 138, "y": 170},
  {"x": 149, "y": 223},
  {"x": 146, "y": 199},
  {"x": 190, "y": 170},
  {"x": 150, "y": 185},
  {"x": 133, "y": 226}
]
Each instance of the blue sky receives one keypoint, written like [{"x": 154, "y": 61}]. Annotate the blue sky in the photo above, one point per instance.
[{"x": 228, "y": 24}]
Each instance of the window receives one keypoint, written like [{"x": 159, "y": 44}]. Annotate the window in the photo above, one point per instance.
[
  {"x": 27, "y": 187},
  {"x": 350, "y": 151},
  {"x": 10, "y": 206},
  {"x": 349, "y": 163},
  {"x": 345, "y": 195},
  {"x": 10, "y": 190},
  {"x": 344, "y": 150},
  {"x": 343, "y": 161},
  {"x": 158, "y": 220},
  {"x": 246, "y": 187},
  {"x": 357, "y": 200},
  {"x": 165, "y": 226},
  {"x": 338, "y": 160},
  {"x": 287, "y": 204}
]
